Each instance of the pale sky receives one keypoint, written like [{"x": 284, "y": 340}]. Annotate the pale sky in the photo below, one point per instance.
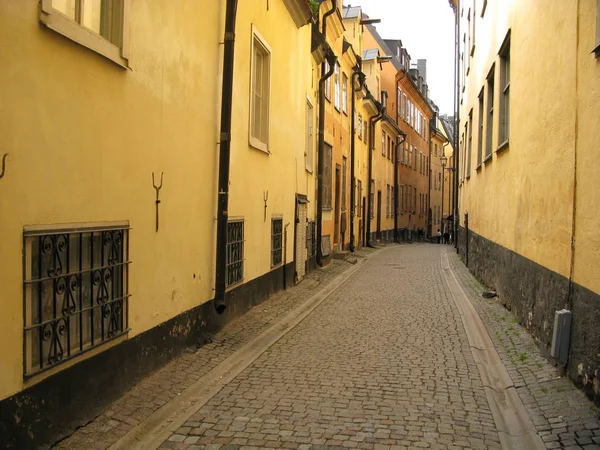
[{"x": 426, "y": 29}]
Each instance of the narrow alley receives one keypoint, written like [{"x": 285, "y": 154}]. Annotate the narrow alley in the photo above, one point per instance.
[{"x": 380, "y": 363}]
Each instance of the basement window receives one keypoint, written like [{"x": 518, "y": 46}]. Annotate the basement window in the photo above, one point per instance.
[
  {"x": 75, "y": 290},
  {"x": 100, "y": 25},
  {"x": 276, "y": 242},
  {"x": 235, "y": 252}
]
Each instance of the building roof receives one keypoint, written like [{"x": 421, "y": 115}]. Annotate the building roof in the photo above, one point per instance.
[
  {"x": 351, "y": 12},
  {"x": 370, "y": 54}
]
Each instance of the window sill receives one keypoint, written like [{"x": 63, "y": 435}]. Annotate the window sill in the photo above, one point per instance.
[
  {"x": 478, "y": 168},
  {"x": 502, "y": 147},
  {"x": 488, "y": 159},
  {"x": 61, "y": 24},
  {"x": 596, "y": 51},
  {"x": 345, "y": 112},
  {"x": 327, "y": 208},
  {"x": 258, "y": 145}
]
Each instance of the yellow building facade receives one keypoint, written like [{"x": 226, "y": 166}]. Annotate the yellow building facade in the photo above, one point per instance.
[
  {"x": 111, "y": 127},
  {"x": 529, "y": 112}
]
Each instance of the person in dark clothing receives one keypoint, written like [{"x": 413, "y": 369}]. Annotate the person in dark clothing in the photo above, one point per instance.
[
  {"x": 439, "y": 236},
  {"x": 446, "y": 237}
]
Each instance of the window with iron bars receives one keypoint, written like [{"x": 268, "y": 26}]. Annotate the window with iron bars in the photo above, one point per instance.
[
  {"x": 311, "y": 241},
  {"x": 276, "y": 241},
  {"x": 76, "y": 292},
  {"x": 235, "y": 252}
]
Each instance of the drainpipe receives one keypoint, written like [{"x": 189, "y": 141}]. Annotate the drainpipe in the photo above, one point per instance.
[
  {"x": 456, "y": 121},
  {"x": 429, "y": 230},
  {"x": 372, "y": 121},
  {"x": 224, "y": 154},
  {"x": 361, "y": 80},
  {"x": 400, "y": 141},
  {"x": 324, "y": 76}
]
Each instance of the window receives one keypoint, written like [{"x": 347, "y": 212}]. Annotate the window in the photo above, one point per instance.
[
  {"x": 344, "y": 181},
  {"x": 75, "y": 291},
  {"x": 310, "y": 138},
  {"x": 472, "y": 49},
  {"x": 336, "y": 93},
  {"x": 99, "y": 26},
  {"x": 327, "y": 82},
  {"x": 311, "y": 239},
  {"x": 389, "y": 148},
  {"x": 235, "y": 252},
  {"x": 387, "y": 200},
  {"x": 504, "y": 116},
  {"x": 401, "y": 199},
  {"x": 414, "y": 199},
  {"x": 365, "y": 128},
  {"x": 469, "y": 146},
  {"x": 480, "y": 136},
  {"x": 344, "y": 93},
  {"x": 383, "y": 137},
  {"x": 490, "y": 115},
  {"x": 360, "y": 126},
  {"x": 399, "y": 103},
  {"x": 372, "y": 202},
  {"x": 359, "y": 199},
  {"x": 393, "y": 194},
  {"x": 327, "y": 154},
  {"x": 276, "y": 241},
  {"x": 259, "y": 98}
]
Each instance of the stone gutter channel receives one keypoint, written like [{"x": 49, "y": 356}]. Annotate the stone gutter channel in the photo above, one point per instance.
[{"x": 515, "y": 428}]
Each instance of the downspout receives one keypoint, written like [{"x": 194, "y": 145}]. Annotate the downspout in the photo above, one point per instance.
[
  {"x": 399, "y": 141},
  {"x": 224, "y": 156},
  {"x": 429, "y": 183},
  {"x": 356, "y": 74},
  {"x": 455, "y": 217},
  {"x": 324, "y": 76},
  {"x": 372, "y": 121}
]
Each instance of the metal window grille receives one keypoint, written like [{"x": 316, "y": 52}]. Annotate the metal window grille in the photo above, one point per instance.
[
  {"x": 235, "y": 252},
  {"x": 75, "y": 292},
  {"x": 276, "y": 242},
  {"x": 311, "y": 241}
]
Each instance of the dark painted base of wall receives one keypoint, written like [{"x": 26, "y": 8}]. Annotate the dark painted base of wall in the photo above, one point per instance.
[
  {"x": 534, "y": 293},
  {"x": 55, "y": 407}
]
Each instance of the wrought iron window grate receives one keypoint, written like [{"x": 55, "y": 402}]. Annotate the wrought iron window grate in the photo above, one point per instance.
[
  {"x": 311, "y": 240},
  {"x": 235, "y": 252},
  {"x": 76, "y": 292},
  {"x": 276, "y": 242}
]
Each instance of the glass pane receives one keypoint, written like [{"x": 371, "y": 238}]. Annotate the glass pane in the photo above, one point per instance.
[
  {"x": 92, "y": 14},
  {"x": 67, "y": 7}
]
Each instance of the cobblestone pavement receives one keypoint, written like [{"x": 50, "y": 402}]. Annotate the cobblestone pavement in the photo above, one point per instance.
[
  {"x": 561, "y": 413},
  {"x": 383, "y": 363},
  {"x": 166, "y": 383}
]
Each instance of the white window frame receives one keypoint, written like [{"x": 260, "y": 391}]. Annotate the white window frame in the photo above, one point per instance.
[
  {"x": 344, "y": 93},
  {"x": 309, "y": 154},
  {"x": 336, "y": 87},
  {"x": 253, "y": 140},
  {"x": 57, "y": 21}
]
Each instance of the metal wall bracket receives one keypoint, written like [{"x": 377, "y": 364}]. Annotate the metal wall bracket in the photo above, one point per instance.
[{"x": 157, "y": 189}]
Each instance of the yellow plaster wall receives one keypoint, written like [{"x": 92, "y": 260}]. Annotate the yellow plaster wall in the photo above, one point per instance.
[
  {"x": 84, "y": 136},
  {"x": 522, "y": 198},
  {"x": 254, "y": 172},
  {"x": 587, "y": 238}
]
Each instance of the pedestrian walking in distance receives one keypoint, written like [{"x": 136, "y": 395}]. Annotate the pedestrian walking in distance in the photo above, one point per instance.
[
  {"x": 446, "y": 237},
  {"x": 439, "y": 236}
]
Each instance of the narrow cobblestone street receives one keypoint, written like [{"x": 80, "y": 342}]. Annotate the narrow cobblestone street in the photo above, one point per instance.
[{"x": 382, "y": 363}]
